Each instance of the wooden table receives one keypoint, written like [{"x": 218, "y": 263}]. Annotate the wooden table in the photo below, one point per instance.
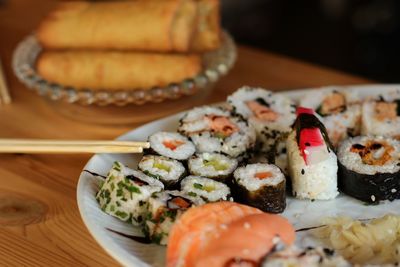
[{"x": 39, "y": 219}]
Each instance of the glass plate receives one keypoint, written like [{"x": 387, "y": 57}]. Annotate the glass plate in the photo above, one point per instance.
[{"x": 215, "y": 64}]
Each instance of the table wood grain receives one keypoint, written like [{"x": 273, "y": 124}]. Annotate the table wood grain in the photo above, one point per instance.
[{"x": 39, "y": 219}]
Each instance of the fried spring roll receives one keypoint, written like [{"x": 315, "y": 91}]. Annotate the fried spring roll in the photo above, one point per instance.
[
  {"x": 146, "y": 25},
  {"x": 116, "y": 70}
]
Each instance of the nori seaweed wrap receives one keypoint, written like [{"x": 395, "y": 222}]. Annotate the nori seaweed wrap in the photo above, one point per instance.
[
  {"x": 369, "y": 168},
  {"x": 262, "y": 186}
]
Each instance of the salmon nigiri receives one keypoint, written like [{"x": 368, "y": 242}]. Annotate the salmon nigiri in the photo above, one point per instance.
[
  {"x": 197, "y": 226},
  {"x": 246, "y": 240}
]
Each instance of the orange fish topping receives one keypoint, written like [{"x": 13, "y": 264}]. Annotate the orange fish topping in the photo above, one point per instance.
[
  {"x": 180, "y": 202},
  {"x": 333, "y": 104},
  {"x": 385, "y": 110},
  {"x": 262, "y": 112},
  {"x": 366, "y": 152},
  {"x": 173, "y": 144},
  {"x": 222, "y": 125},
  {"x": 263, "y": 175}
]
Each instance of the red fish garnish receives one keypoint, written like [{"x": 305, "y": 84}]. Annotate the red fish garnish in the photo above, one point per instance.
[
  {"x": 303, "y": 110},
  {"x": 263, "y": 175},
  {"x": 173, "y": 144}
]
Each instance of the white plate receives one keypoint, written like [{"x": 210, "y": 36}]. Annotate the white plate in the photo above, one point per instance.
[{"x": 131, "y": 253}]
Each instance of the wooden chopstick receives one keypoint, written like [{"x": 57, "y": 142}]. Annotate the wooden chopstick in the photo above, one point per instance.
[
  {"x": 5, "y": 97},
  {"x": 70, "y": 146}
]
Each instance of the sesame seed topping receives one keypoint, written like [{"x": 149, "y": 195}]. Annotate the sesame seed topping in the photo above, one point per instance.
[{"x": 247, "y": 225}]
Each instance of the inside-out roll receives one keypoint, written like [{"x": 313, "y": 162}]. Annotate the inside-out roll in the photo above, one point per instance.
[
  {"x": 215, "y": 129},
  {"x": 312, "y": 161},
  {"x": 381, "y": 117},
  {"x": 125, "y": 192},
  {"x": 162, "y": 210},
  {"x": 272, "y": 115},
  {"x": 339, "y": 111},
  {"x": 369, "y": 168}
]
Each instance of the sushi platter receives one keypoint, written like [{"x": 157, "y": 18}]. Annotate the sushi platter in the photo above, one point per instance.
[{"x": 306, "y": 155}]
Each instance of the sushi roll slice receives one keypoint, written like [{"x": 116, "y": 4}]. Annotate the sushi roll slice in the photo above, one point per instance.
[
  {"x": 293, "y": 256},
  {"x": 168, "y": 171},
  {"x": 125, "y": 192},
  {"x": 272, "y": 115},
  {"x": 312, "y": 161},
  {"x": 163, "y": 209},
  {"x": 212, "y": 165},
  {"x": 262, "y": 186},
  {"x": 214, "y": 129},
  {"x": 339, "y": 110},
  {"x": 369, "y": 168},
  {"x": 207, "y": 189},
  {"x": 171, "y": 145},
  {"x": 381, "y": 117},
  {"x": 280, "y": 157}
]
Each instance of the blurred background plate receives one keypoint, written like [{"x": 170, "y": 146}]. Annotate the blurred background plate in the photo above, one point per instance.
[{"x": 125, "y": 106}]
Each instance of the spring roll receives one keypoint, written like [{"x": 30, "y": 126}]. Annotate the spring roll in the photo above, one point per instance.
[
  {"x": 146, "y": 25},
  {"x": 114, "y": 70}
]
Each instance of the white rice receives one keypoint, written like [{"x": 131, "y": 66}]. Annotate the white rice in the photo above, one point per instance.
[
  {"x": 182, "y": 152},
  {"x": 309, "y": 257},
  {"x": 245, "y": 176},
  {"x": 312, "y": 181},
  {"x": 205, "y": 188},
  {"x": 176, "y": 168},
  {"x": 198, "y": 166},
  {"x": 353, "y": 161}
]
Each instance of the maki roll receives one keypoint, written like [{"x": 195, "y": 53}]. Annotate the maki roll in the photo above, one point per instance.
[
  {"x": 212, "y": 165},
  {"x": 163, "y": 209},
  {"x": 272, "y": 115},
  {"x": 381, "y": 117},
  {"x": 171, "y": 145},
  {"x": 168, "y": 171},
  {"x": 214, "y": 129},
  {"x": 339, "y": 110},
  {"x": 262, "y": 186},
  {"x": 125, "y": 192},
  {"x": 369, "y": 168},
  {"x": 207, "y": 189},
  {"x": 293, "y": 256},
  {"x": 312, "y": 162}
]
